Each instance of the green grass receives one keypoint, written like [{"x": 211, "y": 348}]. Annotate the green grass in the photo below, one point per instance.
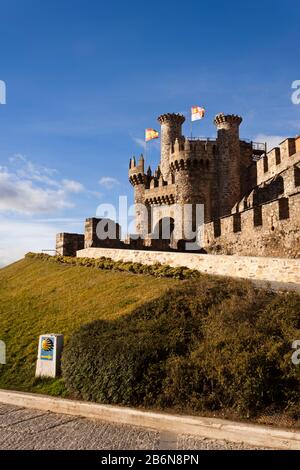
[{"x": 40, "y": 297}]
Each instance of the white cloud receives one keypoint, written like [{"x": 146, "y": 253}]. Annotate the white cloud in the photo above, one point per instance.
[
  {"x": 24, "y": 168},
  {"x": 95, "y": 194},
  {"x": 72, "y": 186},
  {"x": 20, "y": 236},
  {"x": 21, "y": 196},
  {"x": 272, "y": 140},
  {"x": 108, "y": 182},
  {"x": 27, "y": 188}
]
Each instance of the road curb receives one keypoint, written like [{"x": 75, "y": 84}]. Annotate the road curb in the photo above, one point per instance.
[{"x": 211, "y": 428}]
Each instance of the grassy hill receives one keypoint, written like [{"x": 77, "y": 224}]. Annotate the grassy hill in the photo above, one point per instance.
[
  {"x": 38, "y": 297},
  {"x": 211, "y": 344}
]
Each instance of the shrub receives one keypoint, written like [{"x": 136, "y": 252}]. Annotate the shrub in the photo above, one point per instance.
[
  {"x": 158, "y": 270},
  {"x": 209, "y": 344}
]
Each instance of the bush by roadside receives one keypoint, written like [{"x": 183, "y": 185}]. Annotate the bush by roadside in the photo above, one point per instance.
[{"x": 210, "y": 344}]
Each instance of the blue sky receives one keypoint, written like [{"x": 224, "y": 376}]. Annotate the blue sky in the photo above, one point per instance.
[{"x": 84, "y": 79}]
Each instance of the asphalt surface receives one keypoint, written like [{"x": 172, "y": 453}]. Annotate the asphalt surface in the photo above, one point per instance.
[{"x": 29, "y": 429}]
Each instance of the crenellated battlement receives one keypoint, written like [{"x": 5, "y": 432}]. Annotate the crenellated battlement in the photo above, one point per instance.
[
  {"x": 283, "y": 184},
  {"x": 192, "y": 153},
  {"x": 161, "y": 194},
  {"x": 227, "y": 120},
  {"x": 171, "y": 118},
  {"x": 269, "y": 229},
  {"x": 278, "y": 159},
  {"x": 266, "y": 221},
  {"x": 137, "y": 171}
]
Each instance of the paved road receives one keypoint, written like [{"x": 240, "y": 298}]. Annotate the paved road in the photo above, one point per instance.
[{"x": 28, "y": 429}]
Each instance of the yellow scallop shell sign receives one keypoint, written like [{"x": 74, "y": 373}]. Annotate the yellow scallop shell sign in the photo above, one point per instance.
[{"x": 47, "y": 344}]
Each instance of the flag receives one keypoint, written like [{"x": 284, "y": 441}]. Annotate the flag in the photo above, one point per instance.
[
  {"x": 151, "y": 134},
  {"x": 197, "y": 113}
]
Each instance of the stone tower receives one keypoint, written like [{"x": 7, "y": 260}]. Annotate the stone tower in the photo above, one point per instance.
[
  {"x": 192, "y": 172},
  {"x": 138, "y": 179},
  {"x": 213, "y": 173},
  {"x": 229, "y": 161},
  {"x": 171, "y": 124}
]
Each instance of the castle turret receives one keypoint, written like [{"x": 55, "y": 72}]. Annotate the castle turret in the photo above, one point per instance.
[
  {"x": 137, "y": 171},
  {"x": 170, "y": 130},
  {"x": 228, "y": 162},
  {"x": 138, "y": 178}
]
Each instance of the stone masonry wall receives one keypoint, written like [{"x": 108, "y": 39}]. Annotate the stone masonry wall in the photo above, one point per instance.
[
  {"x": 265, "y": 222},
  {"x": 68, "y": 243},
  {"x": 271, "y": 229},
  {"x": 278, "y": 159},
  {"x": 274, "y": 270},
  {"x": 110, "y": 231}
]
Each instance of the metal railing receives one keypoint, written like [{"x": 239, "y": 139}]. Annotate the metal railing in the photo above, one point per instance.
[
  {"x": 54, "y": 251},
  {"x": 260, "y": 146},
  {"x": 203, "y": 139}
]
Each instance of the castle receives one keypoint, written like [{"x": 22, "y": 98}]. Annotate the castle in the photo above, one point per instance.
[{"x": 251, "y": 197}]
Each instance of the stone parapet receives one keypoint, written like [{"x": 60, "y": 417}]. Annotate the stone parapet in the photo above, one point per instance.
[
  {"x": 278, "y": 159},
  {"x": 270, "y": 229},
  {"x": 274, "y": 270},
  {"x": 68, "y": 243},
  {"x": 101, "y": 232}
]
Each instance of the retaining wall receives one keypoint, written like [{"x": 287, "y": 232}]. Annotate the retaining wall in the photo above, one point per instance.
[{"x": 278, "y": 270}]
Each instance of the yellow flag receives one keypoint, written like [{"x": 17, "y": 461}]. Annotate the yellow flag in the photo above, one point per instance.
[
  {"x": 197, "y": 113},
  {"x": 151, "y": 134}
]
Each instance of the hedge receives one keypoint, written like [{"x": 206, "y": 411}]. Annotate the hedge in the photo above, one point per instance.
[
  {"x": 210, "y": 344},
  {"x": 158, "y": 270}
]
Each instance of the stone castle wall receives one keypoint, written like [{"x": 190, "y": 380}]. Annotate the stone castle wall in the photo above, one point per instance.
[
  {"x": 271, "y": 229},
  {"x": 68, "y": 243},
  {"x": 278, "y": 159},
  {"x": 264, "y": 223},
  {"x": 273, "y": 270},
  {"x": 108, "y": 236}
]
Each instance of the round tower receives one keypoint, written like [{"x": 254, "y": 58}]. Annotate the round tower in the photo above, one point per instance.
[
  {"x": 228, "y": 162},
  {"x": 171, "y": 124},
  {"x": 138, "y": 179}
]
